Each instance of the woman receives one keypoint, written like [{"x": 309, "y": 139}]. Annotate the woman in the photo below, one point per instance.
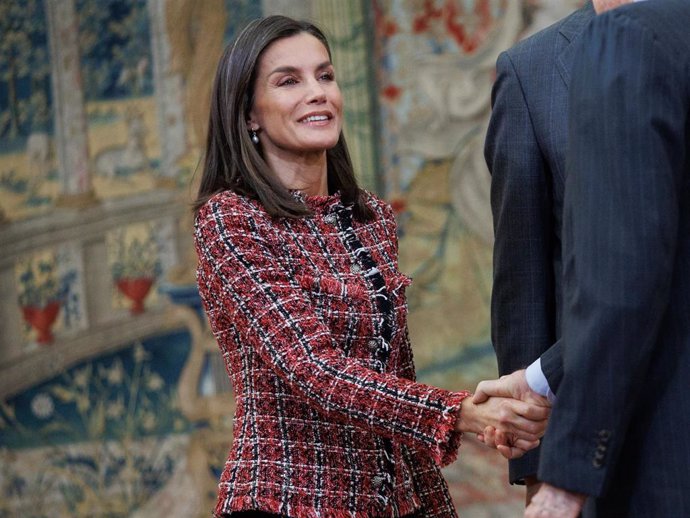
[{"x": 298, "y": 274}]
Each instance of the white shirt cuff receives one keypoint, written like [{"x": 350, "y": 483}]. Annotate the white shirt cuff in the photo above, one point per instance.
[{"x": 538, "y": 382}]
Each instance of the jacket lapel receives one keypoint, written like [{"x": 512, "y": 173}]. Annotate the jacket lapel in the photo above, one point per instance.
[{"x": 571, "y": 30}]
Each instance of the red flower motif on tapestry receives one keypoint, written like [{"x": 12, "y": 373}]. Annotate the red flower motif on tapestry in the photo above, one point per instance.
[
  {"x": 389, "y": 28},
  {"x": 384, "y": 25},
  {"x": 391, "y": 92},
  {"x": 469, "y": 28},
  {"x": 399, "y": 205},
  {"x": 421, "y": 22}
]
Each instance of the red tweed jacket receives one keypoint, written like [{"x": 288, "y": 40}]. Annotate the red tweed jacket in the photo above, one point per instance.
[{"x": 311, "y": 318}]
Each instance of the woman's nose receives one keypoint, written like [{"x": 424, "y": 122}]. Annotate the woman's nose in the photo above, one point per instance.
[{"x": 316, "y": 93}]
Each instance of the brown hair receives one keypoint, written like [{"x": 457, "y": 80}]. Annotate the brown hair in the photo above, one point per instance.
[{"x": 232, "y": 161}]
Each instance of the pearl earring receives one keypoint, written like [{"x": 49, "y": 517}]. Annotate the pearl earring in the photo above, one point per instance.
[{"x": 254, "y": 137}]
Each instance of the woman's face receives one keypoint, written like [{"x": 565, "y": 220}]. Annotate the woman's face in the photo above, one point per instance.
[{"x": 297, "y": 102}]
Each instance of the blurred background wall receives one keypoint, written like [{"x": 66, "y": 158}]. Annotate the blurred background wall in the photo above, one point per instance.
[{"x": 113, "y": 399}]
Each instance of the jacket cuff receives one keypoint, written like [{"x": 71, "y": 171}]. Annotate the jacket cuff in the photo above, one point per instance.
[
  {"x": 447, "y": 438},
  {"x": 552, "y": 365},
  {"x": 525, "y": 466}
]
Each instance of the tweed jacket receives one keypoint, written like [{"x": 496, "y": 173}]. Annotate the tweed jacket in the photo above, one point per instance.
[{"x": 311, "y": 318}]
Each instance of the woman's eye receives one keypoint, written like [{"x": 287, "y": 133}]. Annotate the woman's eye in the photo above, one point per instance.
[
  {"x": 327, "y": 76},
  {"x": 288, "y": 81}
]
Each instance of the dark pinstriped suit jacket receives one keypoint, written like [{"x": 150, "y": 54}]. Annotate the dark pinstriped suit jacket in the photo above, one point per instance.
[
  {"x": 619, "y": 427},
  {"x": 525, "y": 152}
]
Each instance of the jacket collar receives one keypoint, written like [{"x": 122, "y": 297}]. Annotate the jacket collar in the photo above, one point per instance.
[{"x": 571, "y": 29}]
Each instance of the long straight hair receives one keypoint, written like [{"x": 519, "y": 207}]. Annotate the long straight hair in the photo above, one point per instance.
[{"x": 232, "y": 161}]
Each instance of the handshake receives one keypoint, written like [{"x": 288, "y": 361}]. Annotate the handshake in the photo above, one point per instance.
[{"x": 506, "y": 414}]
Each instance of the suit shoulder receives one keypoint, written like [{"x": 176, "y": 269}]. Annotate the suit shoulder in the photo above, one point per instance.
[
  {"x": 667, "y": 22},
  {"x": 545, "y": 42},
  {"x": 530, "y": 59},
  {"x": 538, "y": 40}
]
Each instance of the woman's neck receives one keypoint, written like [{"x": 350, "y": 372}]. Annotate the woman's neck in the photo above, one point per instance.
[{"x": 308, "y": 173}]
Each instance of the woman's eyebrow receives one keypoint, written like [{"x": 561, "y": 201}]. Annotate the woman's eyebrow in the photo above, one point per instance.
[{"x": 287, "y": 69}]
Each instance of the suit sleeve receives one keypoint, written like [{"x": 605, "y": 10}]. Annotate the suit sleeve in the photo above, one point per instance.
[
  {"x": 275, "y": 317},
  {"x": 628, "y": 112},
  {"x": 522, "y": 302}
]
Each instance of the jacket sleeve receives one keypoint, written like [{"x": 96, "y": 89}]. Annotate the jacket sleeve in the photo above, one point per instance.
[
  {"x": 274, "y": 315},
  {"x": 522, "y": 302},
  {"x": 628, "y": 138}
]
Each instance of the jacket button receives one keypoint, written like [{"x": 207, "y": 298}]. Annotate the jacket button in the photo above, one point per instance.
[
  {"x": 329, "y": 218},
  {"x": 373, "y": 345},
  {"x": 377, "y": 481},
  {"x": 355, "y": 268}
]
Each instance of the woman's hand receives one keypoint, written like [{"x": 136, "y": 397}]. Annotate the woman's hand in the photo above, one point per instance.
[
  {"x": 500, "y": 441},
  {"x": 510, "y": 425}
]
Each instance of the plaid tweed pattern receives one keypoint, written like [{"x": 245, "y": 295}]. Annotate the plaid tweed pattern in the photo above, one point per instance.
[{"x": 311, "y": 318}]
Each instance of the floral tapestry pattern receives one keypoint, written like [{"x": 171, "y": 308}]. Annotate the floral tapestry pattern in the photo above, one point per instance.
[{"x": 108, "y": 434}]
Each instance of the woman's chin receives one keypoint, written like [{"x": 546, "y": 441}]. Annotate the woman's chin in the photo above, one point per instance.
[{"x": 319, "y": 147}]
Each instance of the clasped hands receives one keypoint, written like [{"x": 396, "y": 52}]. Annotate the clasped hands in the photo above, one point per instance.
[
  {"x": 506, "y": 414},
  {"x": 519, "y": 421}
]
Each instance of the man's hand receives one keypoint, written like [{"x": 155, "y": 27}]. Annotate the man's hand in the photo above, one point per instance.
[
  {"x": 514, "y": 426},
  {"x": 513, "y": 386},
  {"x": 553, "y": 502},
  {"x": 532, "y": 486}
]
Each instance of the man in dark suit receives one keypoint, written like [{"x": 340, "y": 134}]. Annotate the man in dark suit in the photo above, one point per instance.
[
  {"x": 617, "y": 430},
  {"x": 525, "y": 151}
]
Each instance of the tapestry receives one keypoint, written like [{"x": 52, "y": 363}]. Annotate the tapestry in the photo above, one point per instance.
[{"x": 114, "y": 400}]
